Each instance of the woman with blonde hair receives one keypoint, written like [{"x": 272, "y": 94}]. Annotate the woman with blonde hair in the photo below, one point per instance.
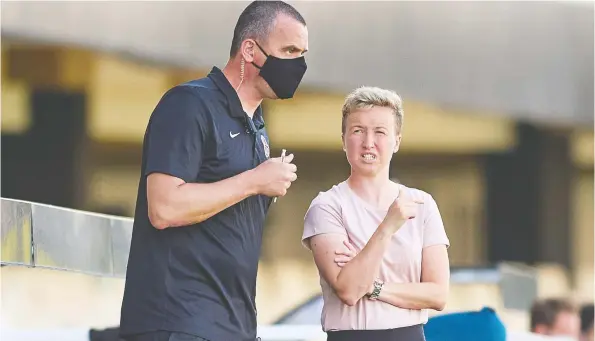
[{"x": 380, "y": 247}]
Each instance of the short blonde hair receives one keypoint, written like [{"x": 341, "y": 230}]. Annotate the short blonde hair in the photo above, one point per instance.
[{"x": 366, "y": 97}]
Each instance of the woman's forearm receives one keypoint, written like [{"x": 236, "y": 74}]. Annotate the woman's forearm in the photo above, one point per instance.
[
  {"x": 414, "y": 296},
  {"x": 356, "y": 277}
]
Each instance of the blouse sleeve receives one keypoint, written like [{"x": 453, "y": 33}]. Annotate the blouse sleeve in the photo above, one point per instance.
[
  {"x": 322, "y": 218},
  {"x": 434, "y": 233}
]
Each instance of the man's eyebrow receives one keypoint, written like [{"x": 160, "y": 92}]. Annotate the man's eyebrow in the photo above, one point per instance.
[{"x": 293, "y": 46}]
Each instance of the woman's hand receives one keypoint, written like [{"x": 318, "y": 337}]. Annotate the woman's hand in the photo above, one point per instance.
[{"x": 344, "y": 256}]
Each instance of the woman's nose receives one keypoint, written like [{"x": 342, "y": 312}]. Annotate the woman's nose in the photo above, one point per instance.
[{"x": 369, "y": 140}]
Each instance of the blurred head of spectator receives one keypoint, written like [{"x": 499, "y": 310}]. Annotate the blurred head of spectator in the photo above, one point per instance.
[
  {"x": 555, "y": 317},
  {"x": 587, "y": 321}
]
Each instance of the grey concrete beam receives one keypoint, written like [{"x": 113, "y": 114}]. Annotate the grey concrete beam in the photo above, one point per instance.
[{"x": 529, "y": 60}]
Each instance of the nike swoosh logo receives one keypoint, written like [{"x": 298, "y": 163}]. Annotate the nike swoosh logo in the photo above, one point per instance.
[{"x": 233, "y": 135}]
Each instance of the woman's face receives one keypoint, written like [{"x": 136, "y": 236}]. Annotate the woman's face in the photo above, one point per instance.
[{"x": 370, "y": 139}]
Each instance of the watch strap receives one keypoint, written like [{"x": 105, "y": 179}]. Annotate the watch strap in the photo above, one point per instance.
[{"x": 377, "y": 289}]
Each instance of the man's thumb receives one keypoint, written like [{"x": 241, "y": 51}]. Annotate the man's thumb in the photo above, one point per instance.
[{"x": 288, "y": 158}]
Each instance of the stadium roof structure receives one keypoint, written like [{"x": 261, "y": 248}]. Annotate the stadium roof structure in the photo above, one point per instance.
[{"x": 528, "y": 60}]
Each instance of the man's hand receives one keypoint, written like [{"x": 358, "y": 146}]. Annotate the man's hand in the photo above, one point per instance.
[{"x": 274, "y": 176}]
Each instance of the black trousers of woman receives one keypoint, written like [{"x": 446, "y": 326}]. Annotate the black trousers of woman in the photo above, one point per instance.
[{"x": 411, "y": 333}]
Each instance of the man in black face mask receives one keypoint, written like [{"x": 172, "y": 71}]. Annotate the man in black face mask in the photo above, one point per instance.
[
  {"x": 276, "y": 54},
  {"x": 206, "y": 184}
]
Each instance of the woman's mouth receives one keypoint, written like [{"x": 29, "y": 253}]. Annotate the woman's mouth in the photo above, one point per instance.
[{"x": 368, "y": 157}]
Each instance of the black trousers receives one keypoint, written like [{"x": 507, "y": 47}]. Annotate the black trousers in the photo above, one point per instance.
[
  {"x": 164, "y": 336},
  {"x": 411, "y": 333}
]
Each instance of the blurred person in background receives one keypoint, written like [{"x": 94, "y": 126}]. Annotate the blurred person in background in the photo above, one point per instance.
[
  {"x": 587, "y": 322},
  {"x": 380, "y": 247},
  {"x": 555, "y": 317},
  {"x": 206, "y": 184}
]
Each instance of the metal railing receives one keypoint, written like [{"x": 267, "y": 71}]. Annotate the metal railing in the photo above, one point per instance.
[{"x": 45, "y": 236}]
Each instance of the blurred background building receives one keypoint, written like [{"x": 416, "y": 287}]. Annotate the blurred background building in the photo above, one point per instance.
[{"x": 498, "y": 128}]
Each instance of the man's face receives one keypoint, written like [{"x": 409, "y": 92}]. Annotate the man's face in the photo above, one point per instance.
[
  {"x": 566, "y": 324},
  {"x": 288, "y": 40}
]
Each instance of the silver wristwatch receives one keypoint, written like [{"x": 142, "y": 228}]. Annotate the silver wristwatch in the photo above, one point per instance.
[{"x": 377, "y": 288}]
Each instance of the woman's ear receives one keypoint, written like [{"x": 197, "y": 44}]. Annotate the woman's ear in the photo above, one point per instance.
[
  {"x": 397, "y": 143},
  {"x": 343, "y": 142}
]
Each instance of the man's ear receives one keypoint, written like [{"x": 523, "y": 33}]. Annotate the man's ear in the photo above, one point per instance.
[
  {"x": 343, "y": 142},
  {"x": 247, "y": 50}
]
